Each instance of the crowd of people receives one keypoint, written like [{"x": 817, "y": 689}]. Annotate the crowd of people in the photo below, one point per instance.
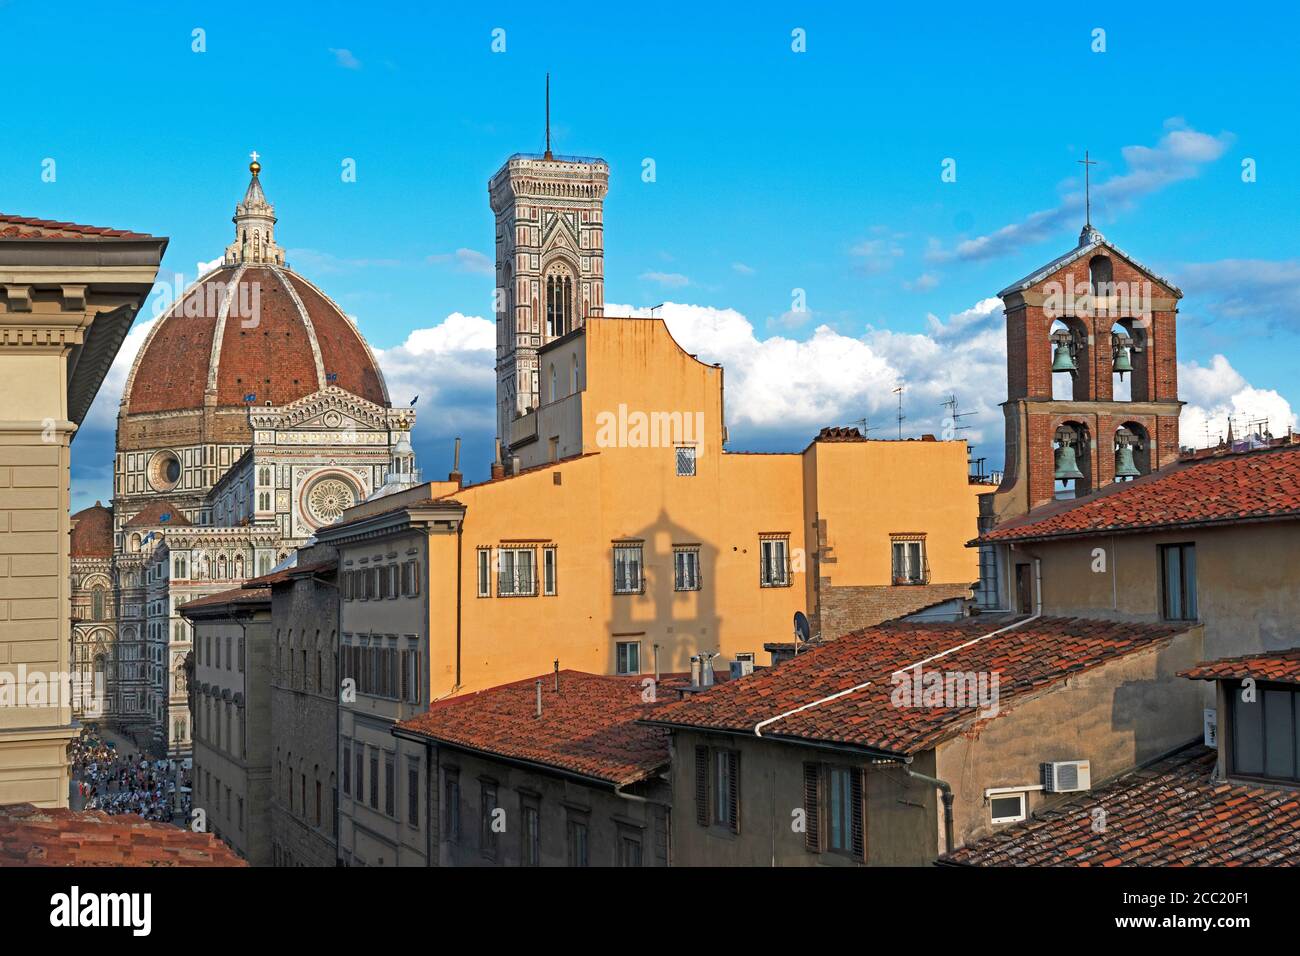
[{"x": 115, "y": 782}]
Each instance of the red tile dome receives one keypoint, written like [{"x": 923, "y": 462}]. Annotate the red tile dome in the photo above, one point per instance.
[
  {"x": 250, "y": 330},
  {"x": 92, "y": 533}
]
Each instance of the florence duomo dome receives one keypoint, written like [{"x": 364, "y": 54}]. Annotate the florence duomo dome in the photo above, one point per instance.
[{"x": 253, "y": 414}]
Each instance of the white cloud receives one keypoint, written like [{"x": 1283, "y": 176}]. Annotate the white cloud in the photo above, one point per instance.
[
  {"x": 743, "y": 269},
  {"x": 674, "y": 280},
  {"x": 1253, "y": 291},
  {"x": 781, "y": 390},
  {"x": 1217, "y": 392},
  {"x": 467, "y": 260},
  {"x": 922, "y": 283},
  {"x": 343, "y": 57},
  {"x": 1180, "y": 154},
  {"x": 450, "y": 367}
]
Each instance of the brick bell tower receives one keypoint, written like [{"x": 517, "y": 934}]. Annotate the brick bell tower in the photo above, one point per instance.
[{"x": 1092, "y": 377}]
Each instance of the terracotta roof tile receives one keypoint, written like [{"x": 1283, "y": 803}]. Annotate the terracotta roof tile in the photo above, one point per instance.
[
  {"x": 590, "y": 727},
  {"x": 244, "y": 595},
  {"x": 1170, "y": 813},
  {"x": 93, "y": 535},
  {"x": 32, "y": 836},
  {"x": 151, "y": 516},
  {"x": 1252, "y": 486},
  {"x": 25, "y": 227},
  {"x": 1026, "y": 660},
  {"x": 1280, "y": 666}
]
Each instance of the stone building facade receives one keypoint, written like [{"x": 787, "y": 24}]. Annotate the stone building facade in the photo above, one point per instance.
[
  {"x": 254, "y": 414},
  {"x": 305, "y": 696},
  {"x": 94, "y": 617},
  {"x": 68, "y": 295}
]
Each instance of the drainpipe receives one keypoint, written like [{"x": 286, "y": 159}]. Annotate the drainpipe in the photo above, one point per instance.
[{"x": 945, "y": 793}]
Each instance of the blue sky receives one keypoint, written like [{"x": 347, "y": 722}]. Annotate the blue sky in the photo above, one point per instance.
[{"x": 775, "y": 171}]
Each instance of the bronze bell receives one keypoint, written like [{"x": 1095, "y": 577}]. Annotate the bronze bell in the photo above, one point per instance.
[
  {"x": 1123, "y": 358},
  {"x": 1125, "y": 466},
  {"x": 1066, "y": 465},
  {"x": 1062, "y": 360}
]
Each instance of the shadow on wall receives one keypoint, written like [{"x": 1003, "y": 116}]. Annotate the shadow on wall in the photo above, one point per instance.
[{"x": 680, "y": 623}]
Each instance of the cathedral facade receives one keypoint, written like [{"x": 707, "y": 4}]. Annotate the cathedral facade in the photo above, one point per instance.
[{"x": 254, "y": 414}]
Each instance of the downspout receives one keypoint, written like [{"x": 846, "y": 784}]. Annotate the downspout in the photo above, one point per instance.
[
  {"x": 460, "y": 538},
  {"x": 945, "y": 792}
]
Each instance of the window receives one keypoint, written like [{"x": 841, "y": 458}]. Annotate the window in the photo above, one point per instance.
[
  {"x": 411, "y": 579},
  {"x": 717, "y": 788},
  {"x": 833, "y": 809},
  {"x": 347, "y": 768},
  {"x": 487, "y": 835},
  {"x": 629, "y": 657},
  {"x": 686, "y": 568},
  {"x": 374, "y": 780},
  {"x": 1007, "y": 807},
  {"x": 484, "y": 572},
  {"x": 577, "y": 839},
  {"x": 530, "y": 853},
  {"x": 413, "y": 793},
  {"x": 629, "y": 849},
  {"x": 774, "y": 555},
  {"x": 515, "y": 572},
  {"x": 390, "y": 785},
  {"x": 627, "y": 569},
  {"x": 1178, "y": 575},
  {"x": 909, "y": 559},
  {"x": 450, "y": 805},
  {"x": 685, "y": 461},
  {"x": 1266, "y": 732},
  {"x": 548, "y": 571}
]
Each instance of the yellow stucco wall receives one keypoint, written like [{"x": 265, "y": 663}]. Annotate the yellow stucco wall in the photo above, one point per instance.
[{"x": 625, "y": 487}]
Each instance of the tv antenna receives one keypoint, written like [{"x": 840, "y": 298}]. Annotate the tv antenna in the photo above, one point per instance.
[{"x": 898, "y": 390}]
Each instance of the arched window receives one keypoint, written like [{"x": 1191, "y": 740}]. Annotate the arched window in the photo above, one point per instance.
[
  {"x": 1132, "y": 452},
  {"x": 1072, "y": 473},
  {"x": 97, "y": 604},
  {"x": 555, "y": 388},
  {"x": 559, "y": 303},
  {"x": 1101, "y": 276}
]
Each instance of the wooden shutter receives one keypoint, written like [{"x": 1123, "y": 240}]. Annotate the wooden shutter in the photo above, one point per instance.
[
  {"x": 859, "y": 823},
  {"x": 702, "y": 786},
  {"x": 812, "y": 836},
  {"x": 733, "y": 790}
]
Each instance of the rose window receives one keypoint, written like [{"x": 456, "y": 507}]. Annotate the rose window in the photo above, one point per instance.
[{"x": 329, "y": 498}]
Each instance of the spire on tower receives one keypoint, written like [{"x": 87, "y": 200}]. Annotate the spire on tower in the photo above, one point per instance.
[{"x": 548, "y": 155}]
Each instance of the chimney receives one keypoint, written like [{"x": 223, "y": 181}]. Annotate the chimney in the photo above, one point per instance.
[
  {"x": 455, "y": 475},
  {"x": 706, "y": 669},
  {"x": 498, "y": 470},
  {"x": 514, "y": 464},
  {"x": 557, "y": 675},
  {"x": 695, "y": 670},
  {"x": 539, "y": 698}
]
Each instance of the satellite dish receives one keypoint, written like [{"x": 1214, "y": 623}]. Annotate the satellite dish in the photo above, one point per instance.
[{"x": 802, "y": 632}]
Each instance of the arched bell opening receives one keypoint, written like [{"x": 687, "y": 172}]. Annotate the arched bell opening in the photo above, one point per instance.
[
  {"x": 1132, "y": 451},
  {"x": 1072, "y": 471},
  {"x": 1129, "y": 339},
  {"x": 1069, "y": 343}
]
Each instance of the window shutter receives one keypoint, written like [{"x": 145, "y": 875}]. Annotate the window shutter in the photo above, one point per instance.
[
  {"x": 733, "y": 790},
  {"x": 702, "y": 786},
  {"x": 812, "y": 836},
  {"x": 859, "y": 828}
]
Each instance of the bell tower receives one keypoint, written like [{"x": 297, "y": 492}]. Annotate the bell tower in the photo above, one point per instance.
[
  {"x": 1092, "y": 376},
  {"x": 550, "y": 263}
]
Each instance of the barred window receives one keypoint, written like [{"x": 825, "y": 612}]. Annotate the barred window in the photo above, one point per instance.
[
  {"x": 484, "y": 572},
  {"x": 685, "y": 461},
  {"x": 686, "y": 568},
  {"x": 774, "y": 555},
  {"x": 628, "y": 577},
  {"x": 516, "y": 573},
  {"x": 908, "y": 559}
]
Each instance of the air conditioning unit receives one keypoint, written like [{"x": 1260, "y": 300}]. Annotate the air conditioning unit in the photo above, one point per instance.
[
  {"x": 742, "y": 666},
  {"x": 1067, "y": 776}
]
